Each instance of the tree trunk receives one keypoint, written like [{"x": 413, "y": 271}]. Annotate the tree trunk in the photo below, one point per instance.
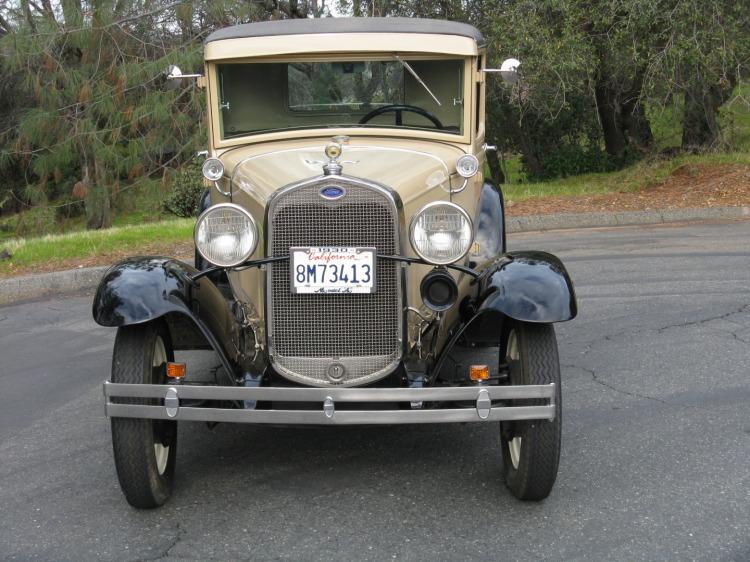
[
  {"x": 634, "y": 121},
  {"x": 97, "y": 201},
  {"x": 609, "y": 109},
  {"x": 529, "y": 156},
  {"x": 700, "y": 125},
  {"x": 493, "y": 161},
  {"x": 636, "y": 125}
]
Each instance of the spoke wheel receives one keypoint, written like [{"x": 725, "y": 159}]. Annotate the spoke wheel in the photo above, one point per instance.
[
  {"x": 161, "y": 448},
  {"x": 144, "y": 449},
  {"x": 531, "y": 449}
]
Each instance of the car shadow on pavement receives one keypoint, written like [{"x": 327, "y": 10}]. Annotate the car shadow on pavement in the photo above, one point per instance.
[{"x": 310, "y": 460}]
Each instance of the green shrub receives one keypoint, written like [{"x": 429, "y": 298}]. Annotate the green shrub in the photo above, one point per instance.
[
  {"x": 36, "y": 221},
  {"x": 572, "y": 160},
  {"x": 186, "y": 192}
]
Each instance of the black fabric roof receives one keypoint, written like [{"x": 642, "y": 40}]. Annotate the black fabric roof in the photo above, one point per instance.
[{"x": 347, "y": 25}]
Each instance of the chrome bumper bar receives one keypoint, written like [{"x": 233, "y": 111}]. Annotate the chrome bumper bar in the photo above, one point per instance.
[{"x": 326, "y": 413}]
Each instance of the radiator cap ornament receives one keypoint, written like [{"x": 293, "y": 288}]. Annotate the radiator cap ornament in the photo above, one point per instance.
[{"x": 333, "y": 152}]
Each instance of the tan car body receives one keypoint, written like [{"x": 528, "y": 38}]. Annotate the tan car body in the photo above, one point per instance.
[{"x": 419, "y": 165}]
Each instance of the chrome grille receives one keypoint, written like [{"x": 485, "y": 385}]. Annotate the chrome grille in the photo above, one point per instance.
[{"x": 361, "y": 332}]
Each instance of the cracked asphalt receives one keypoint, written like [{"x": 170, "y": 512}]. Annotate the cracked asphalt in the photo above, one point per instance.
[{"x": 656, "y": 438}]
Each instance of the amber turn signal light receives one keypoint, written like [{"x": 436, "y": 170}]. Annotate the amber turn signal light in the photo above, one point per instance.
[
  {"x": 176, "y": 370},
  {"x": 479, "y": 372}
]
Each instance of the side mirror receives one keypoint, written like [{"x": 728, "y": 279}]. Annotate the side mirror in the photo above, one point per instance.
[
  {"x": 173, "y": 71},
  {"x": 508, "y": 71}
]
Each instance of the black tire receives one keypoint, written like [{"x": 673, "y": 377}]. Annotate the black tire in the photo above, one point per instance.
[
  {"x": 531, "y": 449},
  {"x": 145, "y": 476}
]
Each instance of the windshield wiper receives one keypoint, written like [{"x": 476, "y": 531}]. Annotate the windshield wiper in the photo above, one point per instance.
[{"x": 408, "y": 67}]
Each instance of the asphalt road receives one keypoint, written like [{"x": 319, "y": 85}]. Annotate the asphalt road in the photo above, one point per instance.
[{"x": 656, "y": 438}]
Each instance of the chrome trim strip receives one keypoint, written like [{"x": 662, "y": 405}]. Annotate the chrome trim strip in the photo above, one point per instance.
[
  {"x": 224, "y": 193},
  {"x": 327, "y": 414},
  {"x": 345, "y": 417},
  {"x": 319, "y": 394}
]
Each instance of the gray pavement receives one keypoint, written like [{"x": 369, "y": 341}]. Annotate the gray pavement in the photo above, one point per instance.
[{"x": 656, "y": 438}]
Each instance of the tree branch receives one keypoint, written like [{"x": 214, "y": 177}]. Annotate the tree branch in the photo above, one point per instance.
[
  {"x": 145, "y": 14},
  {"x": 4, "y": 26}
]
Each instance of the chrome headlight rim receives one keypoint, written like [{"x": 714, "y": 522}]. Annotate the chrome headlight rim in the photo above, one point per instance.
[
  {"x": 209, "y": 162},
  {"x": 427, "y": 207},
  {"x": 253, "y": 226}
]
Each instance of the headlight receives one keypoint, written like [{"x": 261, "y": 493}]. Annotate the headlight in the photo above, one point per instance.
[
  {"x": 467, "y": 165},
  {"x": 226, "y": 235},
  {"x": 441, "y": 233},
  {"x": 213, "y": 169}
]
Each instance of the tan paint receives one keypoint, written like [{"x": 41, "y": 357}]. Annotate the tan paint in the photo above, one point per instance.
[{"x": 337, "y": 43}]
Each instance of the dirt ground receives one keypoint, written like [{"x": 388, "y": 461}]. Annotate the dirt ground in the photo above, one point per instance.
[{"x": 690, "y": 186}]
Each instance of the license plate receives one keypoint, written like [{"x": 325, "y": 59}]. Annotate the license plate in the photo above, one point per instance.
[{"x": 332, "y": 270}]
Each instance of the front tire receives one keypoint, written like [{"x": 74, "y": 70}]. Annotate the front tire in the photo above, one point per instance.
[
  {"x": 144, "y": 449},
  {"x": 531, "y": 449}
]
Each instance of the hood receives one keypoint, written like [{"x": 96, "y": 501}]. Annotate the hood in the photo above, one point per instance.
[{"x": 410, "y": 168}]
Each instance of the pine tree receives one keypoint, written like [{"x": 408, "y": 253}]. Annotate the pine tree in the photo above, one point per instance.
[{"x": 100, "y": 117}]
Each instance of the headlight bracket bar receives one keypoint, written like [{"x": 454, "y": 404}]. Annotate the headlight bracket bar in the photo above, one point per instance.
[{"x": 273, "y": 259}]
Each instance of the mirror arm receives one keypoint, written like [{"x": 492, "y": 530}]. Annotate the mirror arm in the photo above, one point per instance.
[{"x": 171, "y": 77}]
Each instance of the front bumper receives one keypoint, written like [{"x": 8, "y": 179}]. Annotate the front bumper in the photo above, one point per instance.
[{"x": 326, "y": 399}]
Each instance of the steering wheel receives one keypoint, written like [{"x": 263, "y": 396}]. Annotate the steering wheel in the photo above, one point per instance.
[{"x": 399, "y": 109}]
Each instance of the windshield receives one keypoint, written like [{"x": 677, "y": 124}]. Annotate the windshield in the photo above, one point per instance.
[{"x": 403, "y": 93}]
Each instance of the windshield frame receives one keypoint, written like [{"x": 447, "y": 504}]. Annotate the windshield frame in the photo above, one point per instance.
[{"x": 308, "y": 132}]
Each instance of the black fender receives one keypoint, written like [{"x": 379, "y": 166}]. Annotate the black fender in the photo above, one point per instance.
[
  {"x": 142, "y": 289},
  {"x": 205, "y": 201},
  {"x": 489, "y": 225},
  {"x": 203, "y": 204},
  {"x": 523, "y": 286},
  {"x": 528, "y": 286}
]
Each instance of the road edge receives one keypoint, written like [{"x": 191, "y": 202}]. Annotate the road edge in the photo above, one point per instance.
[
  {"x": 28, "y": 287},
  {"x": 19, "y": 289},
  {"x": 624, "y": 218}
]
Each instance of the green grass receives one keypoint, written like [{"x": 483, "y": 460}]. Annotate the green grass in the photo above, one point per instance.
[
  {"x": 123, "y": 240},
  {"x": 635, "y": 177},
  {"x": 143, "y": 204}
]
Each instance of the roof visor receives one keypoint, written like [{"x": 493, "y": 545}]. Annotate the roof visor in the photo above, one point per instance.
[{"x": 328, "y": 35}]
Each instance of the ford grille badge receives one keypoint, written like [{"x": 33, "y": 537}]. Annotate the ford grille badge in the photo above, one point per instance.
[{"x": 332, "y": 192}]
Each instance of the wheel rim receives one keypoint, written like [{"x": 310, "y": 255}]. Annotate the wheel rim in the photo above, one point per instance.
[
  {"x": 161, "y": 451},
  {"x": 512, "y": 355}
]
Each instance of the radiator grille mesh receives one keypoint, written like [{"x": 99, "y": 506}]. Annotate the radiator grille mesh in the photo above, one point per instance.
[{"x": 358, "y": 331}]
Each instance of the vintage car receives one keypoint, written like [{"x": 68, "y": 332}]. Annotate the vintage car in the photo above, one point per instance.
[{"x": 351, "y": 263}]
